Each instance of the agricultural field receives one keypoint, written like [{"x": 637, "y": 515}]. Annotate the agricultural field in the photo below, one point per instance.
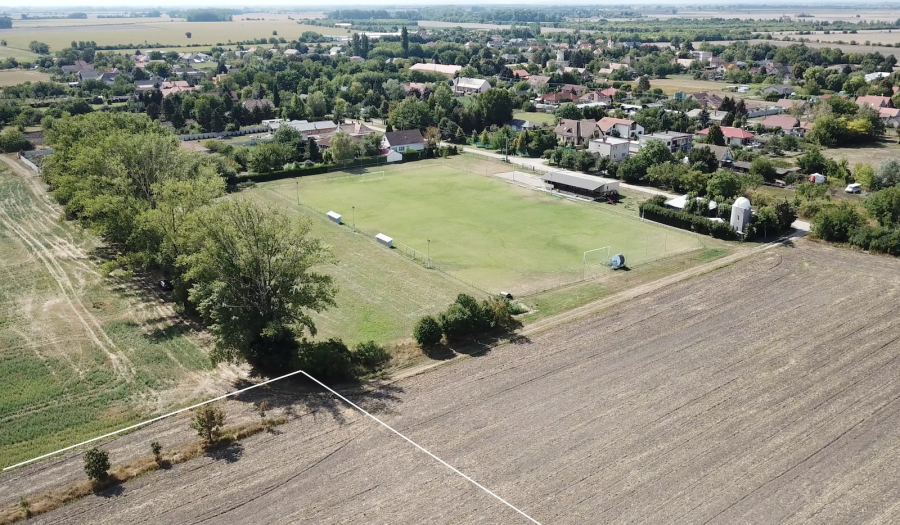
[
  {"x": 139, "y": 32},
  {"x": 483, "y": 230},
  {"x": 737, "y": 396},
  {"x": 767, "y": 13},
  {"x": 12, "y": 77},
  {"x": 80, "y": 354},
  {"x": 686, "y": 83},
  {"x": 546, "y": 119}
]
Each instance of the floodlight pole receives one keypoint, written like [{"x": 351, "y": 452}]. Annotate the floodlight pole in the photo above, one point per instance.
[
  {"x": 507, "y": 150},
  {"x": 429, "y": 253},
  {"x": 298, "y": 192},
  {"x": 354, "y": 218}
]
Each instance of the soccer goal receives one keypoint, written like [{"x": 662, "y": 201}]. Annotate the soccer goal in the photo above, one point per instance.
[
  {"x": 370, "y": 176},
  {"x": 595, "y": 260}
]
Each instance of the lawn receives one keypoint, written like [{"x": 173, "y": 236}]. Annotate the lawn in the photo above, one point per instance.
[
  {"x": 872, "y": 154},
  {"x": 546, "y": 119},
  {"x": 485, "y": 231},
  {"x": 80, "y": 354}
]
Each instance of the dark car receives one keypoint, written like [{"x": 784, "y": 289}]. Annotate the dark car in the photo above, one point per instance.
[{"x": 165, "y": 285}]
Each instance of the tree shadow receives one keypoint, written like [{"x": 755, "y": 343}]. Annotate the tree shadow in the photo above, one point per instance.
[
  {"x": 229, "y": 452},
  {"x": 439, "y": 352},
  {"x": 111, "y": 491}
]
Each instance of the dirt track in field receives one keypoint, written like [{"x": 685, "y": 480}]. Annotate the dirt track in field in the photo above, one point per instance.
[{"x": 763, "y": 392}]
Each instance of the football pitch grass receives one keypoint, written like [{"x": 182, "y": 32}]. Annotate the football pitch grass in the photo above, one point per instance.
[{"x": 499, "y": 236}]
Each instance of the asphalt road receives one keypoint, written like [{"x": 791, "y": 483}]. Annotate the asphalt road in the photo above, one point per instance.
[{"x": 763, "y": 392}]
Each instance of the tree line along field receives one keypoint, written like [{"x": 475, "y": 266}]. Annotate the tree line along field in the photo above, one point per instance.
[
  {"x": 140, "y": 32},
  {"x": 500, "y": 237},
  {"x": 80, "y": 354}
]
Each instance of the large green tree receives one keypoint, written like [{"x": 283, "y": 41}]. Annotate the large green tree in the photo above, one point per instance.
[{"x": 255, "y": 283}]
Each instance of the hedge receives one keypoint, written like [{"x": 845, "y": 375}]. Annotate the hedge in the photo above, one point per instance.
[
  {"x": 380, "y": 160},
  {"x": 687, "y": 221}
]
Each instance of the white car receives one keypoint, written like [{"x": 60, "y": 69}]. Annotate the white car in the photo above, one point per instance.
[{"x": 853, "y": 188}]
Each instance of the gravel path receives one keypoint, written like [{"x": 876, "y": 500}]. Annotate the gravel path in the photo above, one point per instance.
[{"x": 762, "y": 392}]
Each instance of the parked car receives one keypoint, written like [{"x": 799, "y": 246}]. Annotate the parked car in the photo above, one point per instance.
[
  {"x": 853, "y": 188},
  {"x": 165, "y": 285}
]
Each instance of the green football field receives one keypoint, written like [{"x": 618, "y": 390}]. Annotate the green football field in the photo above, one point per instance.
[{"x": 483, "y": 230}]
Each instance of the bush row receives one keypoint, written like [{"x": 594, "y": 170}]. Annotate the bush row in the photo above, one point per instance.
[
  {"x": 686, "y": 221},
  {"x": 332, "y": 360},
  {"x": 465, "y": 318}
]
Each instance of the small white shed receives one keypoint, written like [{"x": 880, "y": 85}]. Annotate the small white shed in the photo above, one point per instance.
[
  {"x": 394, "y": 156},
  {"x": 385, "y": 240},
  {"x": 334, "y": 217},
  {"x": 817, "y": 178},
  {"x": 740, "y": 214}
]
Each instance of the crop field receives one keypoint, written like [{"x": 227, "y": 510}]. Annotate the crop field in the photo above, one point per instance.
[
  {"x": 767, "y": 13},
  {"x": 483, "y": 230},
  {"x": 80, "y": 354},
  {"x": 143, "y": 31},
  {"x": 687, "y": 84},
  {"x": 738, "y": 396}
]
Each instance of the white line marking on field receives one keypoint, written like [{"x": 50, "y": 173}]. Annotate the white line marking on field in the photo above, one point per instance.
[
  {"x": 152, "y": 420},
  {"x": 385, "y": 425}
]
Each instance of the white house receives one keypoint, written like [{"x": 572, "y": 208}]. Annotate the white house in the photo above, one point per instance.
[
  {"x": 612, "y": 147},
  {"x": 620, "y": 126},
  {"x": 401, "y": 141},
  {"x": 464, "y": 85},
  {"x": 674, "y": 140}
]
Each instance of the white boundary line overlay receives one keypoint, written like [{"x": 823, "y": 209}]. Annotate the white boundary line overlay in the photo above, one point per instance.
[
  {"x": 413, "y": 443},
  {"x": 152, "y": 420},
  {"x": 323, "y": 385}
]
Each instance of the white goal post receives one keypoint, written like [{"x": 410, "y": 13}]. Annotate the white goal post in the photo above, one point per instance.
[{"x": 595, "y": 257}]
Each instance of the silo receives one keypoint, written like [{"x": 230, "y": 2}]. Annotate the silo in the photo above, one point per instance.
[{"x": 740, "y": 214}]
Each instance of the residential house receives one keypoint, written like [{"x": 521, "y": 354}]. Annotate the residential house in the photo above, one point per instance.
[
  {"x": 674, "y": 140},
  {"x": 733, "y": 136},
  {"x": 518, "y": 125},
  {"x": 790, "y": 125},
  {"x": 522, "y": 74},
  {"x": 609, "y": 92},
  {"x": 788, "y": 103},
  {"x": 110, "y": 76},
  {"x": 444, "y": 69},
  {"x": 575, "y": 132},
  {"x": 574, "y": 90},
  {"x": 595, "y": 97},
  {"x": 261, "y": 104},
  {"x": 783, "y": 90},
  {"x": 613, "y": 66},
  {"x": 890, "y": 116},
  {"x": 557, "y": 98},
  {"x": 464, "y": 85},
  {"x": 874, "y": 101},
  {"x": 177, "y": 86},
  {"x": 538, "y": 80},
  {"x": 88, "y": 74},
  {"x": 620, "y": 126},
  {"x": 291, "y": 52},
  {"x": 577, "y": 71},
  {"x": 702, "y": 56},
  {"x": 613, "y": 147},
  {"x": 684, "y": 62},
  {"x": 142, "y": 86},
  {"x": 75, "y": 68},
  {"x": 401, "y": 141},
  {"x": 186, "y": 72},
  {"x": 706, "y": 99},
  {"x": 723, "y": 154}
]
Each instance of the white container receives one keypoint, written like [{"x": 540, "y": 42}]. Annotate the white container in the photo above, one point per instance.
[
  {"x": 334, "y": 217},
  {"x": 385, "y": 240}
]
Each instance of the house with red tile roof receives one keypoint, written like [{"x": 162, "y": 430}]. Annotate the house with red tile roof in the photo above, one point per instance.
[{"x": 733, "y": 136}]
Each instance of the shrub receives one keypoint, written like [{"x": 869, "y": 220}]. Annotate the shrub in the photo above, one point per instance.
[
  {"x": 686, "y": 221},
  {"x": 836, "y": 223},
  {"x": 456, "y": 322},
  {"x": 370, "y": 355},
  {"x": 500, "y": 312},
  {"x": 326, "y": 360},
  {"x": 208, "y": 421},
  {"x": 878, "y": 239},
  {"x": 427, "y": 332},
  {"x": 156, "y": 448},
  {"x": 96, "y": 464}
]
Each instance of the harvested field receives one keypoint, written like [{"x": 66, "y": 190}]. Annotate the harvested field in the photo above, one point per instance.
[
  {"x": 872, "y": 154},
  {"x": 80, "y": 354},
  {"x": 854, "y": 15},
  {"x": 12, "y": 77},
  {"x": 762, "y": 392}
]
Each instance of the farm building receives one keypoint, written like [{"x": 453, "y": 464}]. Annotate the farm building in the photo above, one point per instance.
[{"x": 581, "y": 184}]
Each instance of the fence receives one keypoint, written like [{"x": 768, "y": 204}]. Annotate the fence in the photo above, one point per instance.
[
  {"x": 28, "y": 163},
  {"x": 224, "y": 134}
]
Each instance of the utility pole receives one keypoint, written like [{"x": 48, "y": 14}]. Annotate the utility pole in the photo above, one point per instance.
[
  {"x": 429, "y": 253},
  {"x": 298, "y": 192},
  {"x": 354, "y": 218},
  {"x": 507, "y": 149}
]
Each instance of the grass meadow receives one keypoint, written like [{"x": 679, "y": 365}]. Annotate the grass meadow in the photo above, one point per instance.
[
  {"x": 484, "y": 230},
  {"x": 80, "y": 354}
]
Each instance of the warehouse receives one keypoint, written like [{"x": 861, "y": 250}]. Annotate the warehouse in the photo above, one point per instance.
[{"x": 581, "y": 184}]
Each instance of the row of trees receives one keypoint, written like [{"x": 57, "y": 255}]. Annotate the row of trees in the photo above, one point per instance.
[{"x": 247, "y": 271}]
